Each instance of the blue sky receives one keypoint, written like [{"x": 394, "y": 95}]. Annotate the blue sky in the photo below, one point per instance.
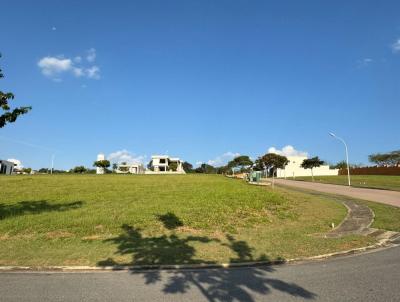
[{"x": 202, "y": 80}]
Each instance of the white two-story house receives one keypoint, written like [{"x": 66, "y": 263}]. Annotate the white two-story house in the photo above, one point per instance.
[{"x": 164, "y": 164}]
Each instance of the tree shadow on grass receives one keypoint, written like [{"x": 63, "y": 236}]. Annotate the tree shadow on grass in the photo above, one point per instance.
[
  {"x": 35, "y": 207},
  {"x": 170, "y": 221},
  {"x": 214, "y": 284},
  {"x": 157, "y": 250}
]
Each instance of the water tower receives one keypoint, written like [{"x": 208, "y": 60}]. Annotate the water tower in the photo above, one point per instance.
[{"x": 98, "y": 169}]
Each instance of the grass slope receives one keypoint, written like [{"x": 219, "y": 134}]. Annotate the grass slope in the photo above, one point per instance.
[
  {"x": 387, "y": 182},
  {"x": 152, "y": 219}
]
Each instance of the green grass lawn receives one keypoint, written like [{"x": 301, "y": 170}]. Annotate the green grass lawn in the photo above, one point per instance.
[
  {"x": 387, "y": 182},
  {"x": 168, "y": 219}
]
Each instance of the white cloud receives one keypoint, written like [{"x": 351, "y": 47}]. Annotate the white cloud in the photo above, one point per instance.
[
  {"x": 93, "y": 72},
  {"x": 78, "y": 59},
  {"x": 287, "y": 151},
  {"x": 18, "y": 163},
  {"x": 78, "y": 72},
  {"x": 91, "y": 55},
  {"x": 396, "y": 46},
  {"x": 54, "y": 67},
  {"x": 126, "y": 156},
  {"x": 54, "y": 28},
  {"x": 364, "y": 62},
  {"x": 222, "y": 159}
]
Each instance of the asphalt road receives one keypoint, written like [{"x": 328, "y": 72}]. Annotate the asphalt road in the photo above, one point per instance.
[
  {"x": 382, "y": 196},
  {"x": 367, "y": 277}
]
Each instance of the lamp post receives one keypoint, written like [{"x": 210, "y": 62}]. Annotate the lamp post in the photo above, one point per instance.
[
  {"x": 52, "y": 164},
  {"x": 347, "y": 155}
]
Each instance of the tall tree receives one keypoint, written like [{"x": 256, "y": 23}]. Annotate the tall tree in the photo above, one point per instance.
[
  {"x": 272, "y": 161},
  {"x": 311, "y": 163},
  {"x": 102, "y": 164},
  {"x": 78, "y": 169},
  {"x": 380, "y": 159},
  {"x": 188, "y": 167},
  {"x": 205, "y": 168},
  {"x": 340, "y": 165},
  {"x": 8, "y": 115},
  {"x": 386, "y": 159},
  {"x": 241, "y": 161},
  {"x": 222, "y": 169},
  {"x": 258, "y": 165}
]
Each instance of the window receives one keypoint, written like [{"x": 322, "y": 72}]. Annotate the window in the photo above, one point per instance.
[{"x": 162, "y": 160}]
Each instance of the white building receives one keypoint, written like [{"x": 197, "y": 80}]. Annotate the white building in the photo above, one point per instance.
[
  {"x": 6, "y": 167},
  {"x": 294, "y": 169},
  {"x": 161, "y": 164},
  {"x": 100, "y": 170},
  {"x": 129, "y": 168}
]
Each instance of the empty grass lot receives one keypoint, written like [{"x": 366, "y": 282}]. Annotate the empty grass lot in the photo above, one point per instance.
[
  {"x": 387, "y": 182},
  {"x": 153, "y": 219}
]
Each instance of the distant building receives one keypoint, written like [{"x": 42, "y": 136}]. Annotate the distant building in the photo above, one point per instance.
[
  {"x": 129, "y": 168},
  {"x": 100, "y": 170},
  {"x": 162, "y": 164},
  {"x": 294, "y": 169},
  {"x": 6, "y": 167}
]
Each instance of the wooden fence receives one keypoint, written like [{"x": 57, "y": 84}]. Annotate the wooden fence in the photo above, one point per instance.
[{"x": 372, "y": 171}]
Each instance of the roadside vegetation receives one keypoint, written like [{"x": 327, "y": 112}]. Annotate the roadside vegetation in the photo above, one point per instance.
[
  {"x": 387, "y": 182},
  {"x": 152, "y": 219},
  {"x": 386, "y": 217}
]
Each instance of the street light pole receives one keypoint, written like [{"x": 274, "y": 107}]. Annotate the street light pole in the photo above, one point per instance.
[
  {"x": 52, "y": 163},
  {"x": 347, "y": 155}
]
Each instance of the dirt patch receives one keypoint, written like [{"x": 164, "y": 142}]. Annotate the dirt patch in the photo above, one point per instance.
[
  {"x": 93, "y": 237},
  {"x": 4, "y": 237},
  {"x": 23, "y": 236},
  {"x": 219, "y": 235},
  {"x": 186, "y": 229},
  {"x": 99, "y": 227},
  {"x": 58, "y": 234}
]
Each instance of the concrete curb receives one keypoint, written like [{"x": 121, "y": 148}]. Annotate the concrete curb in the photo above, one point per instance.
[
  {"x": 264, "y": 184},
  {"x": 384, "y": 243}
]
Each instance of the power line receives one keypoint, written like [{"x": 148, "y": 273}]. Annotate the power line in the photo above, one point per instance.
[{"x": 27, "y": 144}]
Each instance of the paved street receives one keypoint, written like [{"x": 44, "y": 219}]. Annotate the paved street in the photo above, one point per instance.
[
  {"x": 382, "y": 196},
  {"x": 369, "y": 277}
]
